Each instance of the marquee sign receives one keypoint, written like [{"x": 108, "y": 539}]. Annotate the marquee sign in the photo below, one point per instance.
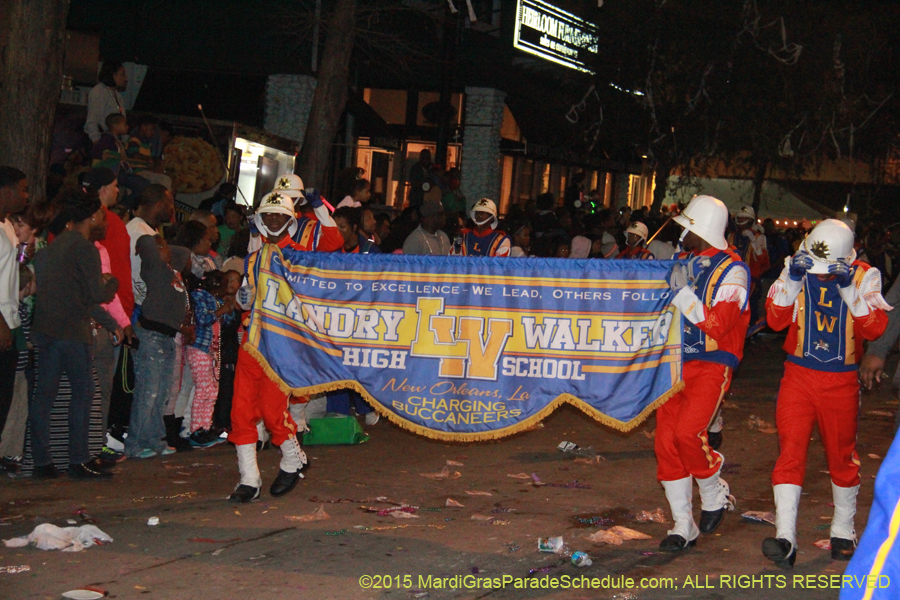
[{"x": 554, "y": 34}]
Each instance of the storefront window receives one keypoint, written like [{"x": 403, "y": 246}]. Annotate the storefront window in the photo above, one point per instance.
[
  {"x": 389, "y": 104},
  {"x": 428, "y": 104},
  {"x": 506, "y": 184},
  {"x": 640, "y": 191},
  {"x": 398, "y": 187},
  {"x": 526, "y": 180},
  {"x": 378, "y": 167}
]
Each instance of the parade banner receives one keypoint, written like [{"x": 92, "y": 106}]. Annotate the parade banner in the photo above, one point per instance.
[{"x": 467, "y": 348}]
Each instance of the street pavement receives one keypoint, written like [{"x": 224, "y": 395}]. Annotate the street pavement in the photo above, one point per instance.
[{"x": 207, "y": 548}]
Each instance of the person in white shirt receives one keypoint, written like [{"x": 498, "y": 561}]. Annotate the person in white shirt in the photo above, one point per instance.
[
  {"x": 605, "y": 245},
  {"x": 428, "y": 238},
  {"x": 155, "y": 207},
  {"x": 359, "y": 195},
  {"x": 104, "y": 98},
  {"x": 521, "y": 240},
  {"x": 663, "y": 243},
  {"x": 13, "y": 199}
]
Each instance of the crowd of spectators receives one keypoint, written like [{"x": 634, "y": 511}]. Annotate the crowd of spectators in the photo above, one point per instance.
[{"x": 110, "y": 316}]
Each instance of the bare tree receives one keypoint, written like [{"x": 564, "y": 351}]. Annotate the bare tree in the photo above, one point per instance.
[
  {"x": 771, "y": 87},
  {"x": 356, "y": 32},
  {"x": 330, "y": 96},
  {"x": 30, "y": 83}
]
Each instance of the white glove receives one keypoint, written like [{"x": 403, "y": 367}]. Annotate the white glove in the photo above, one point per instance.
[
  {"x": 678, "y": 278},
  {"x": 244, "y": 296}
]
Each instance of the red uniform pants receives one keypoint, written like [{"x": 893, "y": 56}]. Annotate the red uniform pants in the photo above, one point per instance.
[
  {"x": 682, "y": 447},
  {"x": 806, "y": 397},
  {"x": 258, "y": 397}
]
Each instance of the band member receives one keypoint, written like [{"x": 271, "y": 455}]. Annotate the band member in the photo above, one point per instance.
[
  {"x": 712, "y": 294},
  {"x": 750, "y": 245},
  {"x": 314, "y": 229},
  {"x": 484, "y": 239},
  {"x": 830, "y": 303},
  {"x": 256, "y": 397},
  {"x": 636, "y": 243}
]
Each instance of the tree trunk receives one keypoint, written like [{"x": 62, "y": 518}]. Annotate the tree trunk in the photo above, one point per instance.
[
  {"x": 761, "y": 168},
  {"x": 30, "y": 83},
  {"x": 661, "y": 179},
  {"x": 330, "y": 96}
]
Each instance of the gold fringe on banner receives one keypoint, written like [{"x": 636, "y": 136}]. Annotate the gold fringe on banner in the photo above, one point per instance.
[{"x": 480, "y": 436}]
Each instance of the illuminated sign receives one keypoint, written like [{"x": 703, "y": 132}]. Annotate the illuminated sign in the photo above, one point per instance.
[{"x": 554, "y": 34}]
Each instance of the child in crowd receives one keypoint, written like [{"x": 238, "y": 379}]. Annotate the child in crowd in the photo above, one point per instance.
[
  {"x": 214, "y": 306},
  {"x": 229, "y": 344},
  {"x": 521, "y": 240},
  {"x": 195, "y": 236},
  {"x": 28, "y": 225},
  {"x": 233, "y": 222},
  {"x": 12, "y": 438},
  {"x": 109, "y": 151},
  {"x": 347, "y": 220},
  {"x": 27, "y": 232}
]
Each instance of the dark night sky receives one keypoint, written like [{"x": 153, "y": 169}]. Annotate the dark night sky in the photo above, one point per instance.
[{"x": 219, "y": 52}]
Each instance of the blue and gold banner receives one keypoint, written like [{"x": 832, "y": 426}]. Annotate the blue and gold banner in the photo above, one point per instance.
[{"x": 467, "y": 349}]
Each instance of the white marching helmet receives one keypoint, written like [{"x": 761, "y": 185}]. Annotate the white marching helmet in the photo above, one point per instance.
[
  {"x": 485, "y": 205},
  {"x": 707, "y": 218},
  {"x": 745, "y": 214},
  {"x": 290, "y": 185},
  {"x": 276, "y": 202},
  {"x": 638, "y": 229},
  {"x": 829, "y": 242}
]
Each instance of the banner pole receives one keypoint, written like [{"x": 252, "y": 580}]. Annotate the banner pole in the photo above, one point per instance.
[{"x": 658, "y": 231}]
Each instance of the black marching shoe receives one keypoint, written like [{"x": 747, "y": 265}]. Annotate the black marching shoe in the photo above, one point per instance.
[
  {"x": 98, "y": 464},
  {"x": 842, "y": 549},
  {"x": 284, "y": 483},
  {"x": 779, "y": 551},
  {"x": 173, "y": 437},
  {"x": 244, "y": 493},
  {"x": 714, "y": 438},
  {"x": 45, "y": 472},
  {"x": 676, "y": 543},
  {"x": 710, "y": 519},
  {"x": 86, "y": 471}
]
